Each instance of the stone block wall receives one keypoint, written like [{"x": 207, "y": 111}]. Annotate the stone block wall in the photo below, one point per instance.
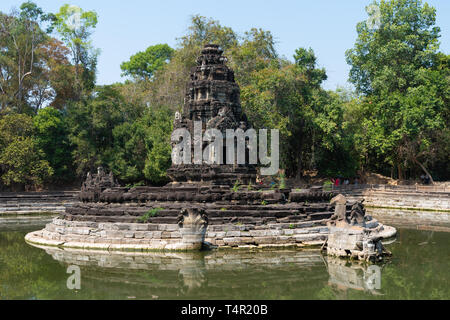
[
  {"x": 145, "y": 237},
  {"x": 401, "y": 198},
  {"x": 36, "y": 202}
]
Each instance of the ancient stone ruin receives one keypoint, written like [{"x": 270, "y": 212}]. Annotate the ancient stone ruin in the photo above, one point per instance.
[
  {"x": 212, "y": 97},
  {"x": 205, "y": 206},
  {"x": 354, "y": 234}
]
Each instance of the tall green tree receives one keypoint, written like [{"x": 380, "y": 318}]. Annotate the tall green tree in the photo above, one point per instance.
[
  {"x": 52, "y": 137},
  {"x": 21, "y": 62},
  {"x": 22, "y": 162},
  {"x": 395, "y": 67},
  {"x": 91, "y": 124},
  {"x": 75, "y": 26},
  {"x": 159, "y": 124},
  {"x": 144, "y": 64}
]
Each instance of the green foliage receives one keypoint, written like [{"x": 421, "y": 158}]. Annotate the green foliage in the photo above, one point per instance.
[
  {"x": 264, "y": 203},
  {"x": 76, "y": 27},
  {"x": 236, "y": 186},
  {"x": 404, "y": 83},
  {"x": 14, "y": 126},
  {"x": 203, "y": 31},
  {"x": 282, "y": 180},
  {"x": 125, "y": 136},
  {"x": 91, "y": 123},
  {"x": 144, "y": 64},
  {"x": 158, "y": 141},
  {"x": 327, "y": 186},
  {"x": 51, "y": 135},
  {"x": 22, "y": 163},
  {"x": 287, "y": 96},
  {"x": 150, "y": 214},
  {"x": 22, "y": 65},
  {"x": 134, "y": 185}
]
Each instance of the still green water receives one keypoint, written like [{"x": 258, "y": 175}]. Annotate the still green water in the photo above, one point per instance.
[{"x": 419, "y": 269}]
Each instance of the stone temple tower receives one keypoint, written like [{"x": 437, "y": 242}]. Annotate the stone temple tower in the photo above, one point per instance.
[{"x": 212, "y": 98}]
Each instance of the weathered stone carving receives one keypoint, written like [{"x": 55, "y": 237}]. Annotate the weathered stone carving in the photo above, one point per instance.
[
  {"x": 193, "y": 218},
  {"x": 193, "y": 224},
  {"x": 340, "y": 211},
  {"x": 350, "y": 236},
  {"x": 358, "y": 213},
  {"x": 212, "y": 97},
  {"x": 95, "y": 183}
]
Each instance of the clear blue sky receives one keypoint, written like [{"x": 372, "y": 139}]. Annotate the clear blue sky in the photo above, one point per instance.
[{"x": 327, "y": 26}]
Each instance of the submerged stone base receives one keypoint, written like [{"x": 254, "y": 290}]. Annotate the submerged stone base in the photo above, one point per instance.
[
  {"x": 150, "y": 237},
  {"x": 358, "y": 243}
]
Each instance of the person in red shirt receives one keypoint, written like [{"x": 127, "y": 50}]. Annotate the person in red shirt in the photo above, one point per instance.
[{"x": 337, "y": 182}]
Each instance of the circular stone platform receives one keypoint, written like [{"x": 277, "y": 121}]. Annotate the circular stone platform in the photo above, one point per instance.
[{"x": 164, "y": 237}]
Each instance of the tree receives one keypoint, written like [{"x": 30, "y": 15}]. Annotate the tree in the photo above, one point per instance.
[
  {"x": 91, "y": 124},
  {"x": 170, "y": 82},
  {"x": 51, "y": 136},
  {"x": 13, "y": 126},
  {"x": 129, "y": 151},
  {"x": 143, "y": 65},
  {"x": 58, "y": 74},
  {"x": 404, "y": 88},
  {"x": 256, "y": 52},
  {"x": 203, "y": 31},
  {"x": 20, "y": 62},
  {"x": 22, "y": 163},
  {"x": 279, "y": 94},
  {"x": 34, "y": 67},
  {"x": 159, "y": 128},
  {"x": 75, "y": 27},
  {"x": 122, "y": 134}
]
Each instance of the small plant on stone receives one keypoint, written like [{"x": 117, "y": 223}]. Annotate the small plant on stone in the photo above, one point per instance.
[
  {"x": 149, "y": 214},
  {"x": 134, "y": 185},
  {"x": 282, "y": 180},
  {"x": 236, "y": 186},
  {"x": 250, "y": 187},
  {"x": 291, "y": 226},
  {"x": 264, "y": 203},
  {"x": 223, "y": 209},
  {"x": 327, "y": 186}
]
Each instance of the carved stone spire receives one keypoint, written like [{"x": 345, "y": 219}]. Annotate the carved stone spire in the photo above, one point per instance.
[{"x": 212, "y": 98}]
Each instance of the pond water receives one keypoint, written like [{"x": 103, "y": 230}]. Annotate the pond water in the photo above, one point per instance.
[{"x": 418, "y": 270}]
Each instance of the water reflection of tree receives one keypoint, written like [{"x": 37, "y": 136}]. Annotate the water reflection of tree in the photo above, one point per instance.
[
  {"x": 25, "y": 272},
  {"x": 422, "y": 265},
  {"x": 418, "y": 270}
]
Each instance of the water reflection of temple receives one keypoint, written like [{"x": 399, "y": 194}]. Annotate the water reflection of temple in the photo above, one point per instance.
[
  {"x": 286, "y": 274},
  {"x": 211, "y": 275},
  {"x": 345, "y": 275}
]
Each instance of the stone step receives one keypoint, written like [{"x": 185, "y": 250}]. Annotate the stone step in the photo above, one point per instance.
[
  {"x": 321, "y": 215},
  {"x": 34, "y": 205},
  {"x": 138, "y": 212},
  {"x": 32, "y": 209}
]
